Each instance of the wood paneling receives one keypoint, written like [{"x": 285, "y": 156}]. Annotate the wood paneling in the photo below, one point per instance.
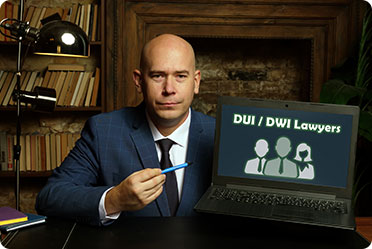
[{"x": 331, "y": 25}]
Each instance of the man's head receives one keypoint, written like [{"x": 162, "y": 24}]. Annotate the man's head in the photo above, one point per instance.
[
  {"x": 168, "y": 80},
  {"x": 283, "y": 146},
  {"x": 261, "y": 148}
]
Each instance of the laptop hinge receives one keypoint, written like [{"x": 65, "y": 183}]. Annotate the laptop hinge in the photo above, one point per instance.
[{"x": 283, "y": 191}]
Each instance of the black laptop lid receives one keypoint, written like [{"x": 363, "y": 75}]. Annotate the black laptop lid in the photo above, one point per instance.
[{"x": 289, "y": 145}]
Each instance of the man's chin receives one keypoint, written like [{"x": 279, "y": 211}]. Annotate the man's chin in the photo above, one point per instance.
[{"x": 171, "y": 116}]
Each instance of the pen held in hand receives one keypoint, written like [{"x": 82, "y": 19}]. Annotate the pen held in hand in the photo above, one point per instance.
[{"x": 180, "y": 166}]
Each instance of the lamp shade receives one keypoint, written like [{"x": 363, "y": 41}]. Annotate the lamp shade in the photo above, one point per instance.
[{"x": 62, "y": 38}]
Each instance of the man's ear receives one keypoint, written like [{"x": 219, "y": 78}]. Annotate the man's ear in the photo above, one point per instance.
[
  {"x": 197, "y": 78},
  {"x": 137, "y": 79}
]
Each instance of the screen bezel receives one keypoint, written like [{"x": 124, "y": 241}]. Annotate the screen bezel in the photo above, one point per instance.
[{"x": 288, "y": 105}]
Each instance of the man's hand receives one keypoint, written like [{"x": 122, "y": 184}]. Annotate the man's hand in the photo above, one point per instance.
[{"x": 135, "y": 192}]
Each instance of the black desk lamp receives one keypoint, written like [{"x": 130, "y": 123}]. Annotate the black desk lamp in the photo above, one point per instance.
[{"x": 55, "y": 38}]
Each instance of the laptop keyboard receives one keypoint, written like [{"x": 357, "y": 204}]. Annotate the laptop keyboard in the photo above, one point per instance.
[{"x": 278, "y": 199}]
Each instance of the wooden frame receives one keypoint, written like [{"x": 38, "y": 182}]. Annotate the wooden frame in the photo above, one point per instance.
[{"x": 331, "y": 25}]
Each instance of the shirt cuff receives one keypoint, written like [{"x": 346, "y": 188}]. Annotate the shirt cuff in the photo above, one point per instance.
[{"x": 106, "y": 219}]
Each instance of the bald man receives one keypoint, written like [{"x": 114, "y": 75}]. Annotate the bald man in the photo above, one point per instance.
[{"x": 114, "y": 171}]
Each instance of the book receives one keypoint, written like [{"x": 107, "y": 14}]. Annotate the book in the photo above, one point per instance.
[
  {"x": 35, "y": 17},
  {"x": 28, "y": 15},
  {"x": 6, "y": 86},
  {"x": 87, "y": 19},
  {"x": 75, "y": 8},
  {"x": 58, "y": 150},
  {"x": 82, "y": 16},
  {"x": 52, "y": 79},
  {"x": 31, "y": 81},
  {"x": 64, "y": 146},
  {"x": 66, "y": 67},
  {"x": 47, "y": 152},
  {"x": 89, "y": 92},
  {"x": 33, "y": 152},
  {"x": 65, "y": 87},
  {"x": 65, "y": 13},
  {"x": 60, "y": 82},
  {"x": 84, "y": 92},
  {"x": 76, "y": 90},
  {"x": 91, "y": 22},
  {"x": 2, "y": 79},
  {"x": 25, "y": 79},
  {"x": 46, "y": 79},
  {"x": 2, "y": 16},
  {"x": 37, "y": 153},
  {"x": 28, "y": 152},
  {"x": 78, "y": 13},
  {"x": 71, "y": 89},
  {"x": 8, "y": 14},
  {"x": 22, "y": 157},
  {"x": 32, "y": 219},
  {"x": 53, "y": 157},
  {"x": 94, "y": 23},
  {"x": 3, "y": 151},
  {"x": 10, "y": 215},
  {"x": 42, "y": 14},
  {"x": 10, "y": 139},
  {"x": 15, "y": 11},
  {"x": 48, "y": 12},
  {"x": 9, "y": 94},
  {"x": 82, "y": 88},
  {"x": 69, "y": 142}
]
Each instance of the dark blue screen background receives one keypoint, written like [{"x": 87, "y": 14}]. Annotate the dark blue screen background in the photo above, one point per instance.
[{"x": 330, "y": 151}]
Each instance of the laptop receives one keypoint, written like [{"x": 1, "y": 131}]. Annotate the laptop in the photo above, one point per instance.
[{"x": 283, "y": 160}]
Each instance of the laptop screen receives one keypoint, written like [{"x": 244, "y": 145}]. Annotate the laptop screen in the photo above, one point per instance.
[{"x": 290, "y": 142}]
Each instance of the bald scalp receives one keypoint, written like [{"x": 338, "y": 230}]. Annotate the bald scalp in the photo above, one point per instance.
[{"x": 170, "y": 42}]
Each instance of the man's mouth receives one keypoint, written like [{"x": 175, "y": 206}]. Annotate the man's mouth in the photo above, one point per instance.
[{"x": 168, "y": 104}]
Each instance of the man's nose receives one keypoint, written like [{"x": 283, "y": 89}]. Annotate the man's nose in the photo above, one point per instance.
[{"x": 169, "y": 85}]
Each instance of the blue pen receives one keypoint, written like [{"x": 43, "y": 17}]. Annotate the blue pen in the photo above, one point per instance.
[{"x": 180, "y": 166}]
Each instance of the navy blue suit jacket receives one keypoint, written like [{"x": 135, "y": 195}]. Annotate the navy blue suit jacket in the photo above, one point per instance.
[{"x": 113, "y": 146}]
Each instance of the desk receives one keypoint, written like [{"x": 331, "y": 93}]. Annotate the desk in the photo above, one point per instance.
[
  {"x": 185, "y": 232},
  {"x": 364, "y": 227}
]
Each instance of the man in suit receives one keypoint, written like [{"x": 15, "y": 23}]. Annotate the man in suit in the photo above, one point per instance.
[{"x": 114, "y": 170}]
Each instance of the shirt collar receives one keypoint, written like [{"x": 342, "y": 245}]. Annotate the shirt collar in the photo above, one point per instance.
[{"x": 179, "y": 136}]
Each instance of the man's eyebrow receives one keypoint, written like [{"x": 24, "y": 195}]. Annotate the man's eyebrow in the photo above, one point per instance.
[
  {"x": 156, "y": 71},
  {"x": 183, "y": 71},
  {"x": 163, "y": 72}
]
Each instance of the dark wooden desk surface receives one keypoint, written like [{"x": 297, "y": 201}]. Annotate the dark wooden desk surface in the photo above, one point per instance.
[
  {"x": 364, "y": 227},
  {"x": 181, "y": 232}
]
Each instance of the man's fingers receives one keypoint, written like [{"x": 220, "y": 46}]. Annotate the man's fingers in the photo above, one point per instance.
[
  {"x": 145, "y": 174},
  {"x": 154, "y": 188}
]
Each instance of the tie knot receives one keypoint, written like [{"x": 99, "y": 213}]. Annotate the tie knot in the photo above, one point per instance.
[{"x": 165, "y": 145}]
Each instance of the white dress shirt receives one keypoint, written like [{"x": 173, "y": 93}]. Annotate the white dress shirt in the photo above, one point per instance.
[{"x": 177, "y": 155}]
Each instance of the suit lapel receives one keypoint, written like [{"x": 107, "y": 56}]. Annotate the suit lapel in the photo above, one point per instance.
[
  {"x": 192, "y": 172},
  {"x": 145, "y": 146}
]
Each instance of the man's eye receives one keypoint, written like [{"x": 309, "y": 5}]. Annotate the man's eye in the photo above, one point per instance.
[
  {"x": 156, "y": 76},
  {"x": 182, "y": 76}
]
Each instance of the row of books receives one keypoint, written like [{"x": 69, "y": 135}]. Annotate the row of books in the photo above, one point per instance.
[
  {"x": 73, "y": 88},
  {"x": 39, "y": 152},
  {"x": 86, "y": 16}
]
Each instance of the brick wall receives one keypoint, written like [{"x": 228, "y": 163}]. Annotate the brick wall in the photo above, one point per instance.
[{"x": 255, "y": 68}]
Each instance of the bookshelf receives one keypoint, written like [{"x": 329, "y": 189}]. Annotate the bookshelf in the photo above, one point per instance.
[{"x": 69, "y": 116}]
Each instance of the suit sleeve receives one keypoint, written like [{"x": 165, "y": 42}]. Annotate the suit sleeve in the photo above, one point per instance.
[{"x": 74, "y": 191}]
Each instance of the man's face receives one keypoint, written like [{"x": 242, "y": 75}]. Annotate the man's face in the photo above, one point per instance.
[{"x": 168, "y": 83}]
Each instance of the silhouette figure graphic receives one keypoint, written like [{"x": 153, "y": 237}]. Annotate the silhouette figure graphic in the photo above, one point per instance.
[
  {"x": 256, "y": 165},
  {"x": 303, "y": 158},
  {"x": 282, "y": 166}
]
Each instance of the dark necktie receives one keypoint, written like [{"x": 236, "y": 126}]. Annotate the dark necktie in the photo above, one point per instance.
[
  {"x": 281, "y": 166},
  {"x": 171, "y": 181},
  {"x": 259, "y": 165}
]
